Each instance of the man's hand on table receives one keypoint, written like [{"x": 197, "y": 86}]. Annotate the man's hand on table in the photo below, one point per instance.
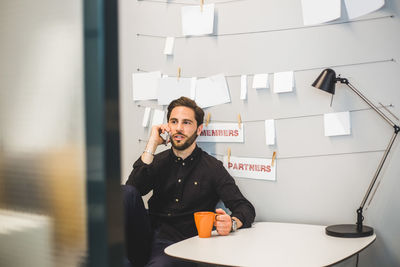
[{"x": 223, "y": 223}]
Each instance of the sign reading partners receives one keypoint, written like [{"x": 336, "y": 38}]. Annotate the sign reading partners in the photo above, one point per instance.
[
  {"x": 255, "y": 168},
  {"x": 222, "y": 132}
]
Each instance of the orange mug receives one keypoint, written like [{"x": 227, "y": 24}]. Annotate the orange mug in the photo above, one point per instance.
[{"x": 204, "y": 222}]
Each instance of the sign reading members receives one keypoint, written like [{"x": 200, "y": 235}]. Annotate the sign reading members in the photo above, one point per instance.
[
  {"x": 254, "y": 168},
  {"x": 222, "y": 132}
]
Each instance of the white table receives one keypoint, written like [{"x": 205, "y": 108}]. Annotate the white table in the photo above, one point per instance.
[
  {"x": 25, "y": 239},
  {"x": 271, "y": 244}
]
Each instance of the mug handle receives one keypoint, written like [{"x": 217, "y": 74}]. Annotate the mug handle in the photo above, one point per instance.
[{"x": 215, "y": 217}]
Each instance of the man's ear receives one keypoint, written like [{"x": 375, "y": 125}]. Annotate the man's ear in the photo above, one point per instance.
[{"x": 199, "y": 129}]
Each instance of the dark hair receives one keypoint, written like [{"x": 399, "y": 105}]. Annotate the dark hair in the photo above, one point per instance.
[{"x": 187, "y": 102}]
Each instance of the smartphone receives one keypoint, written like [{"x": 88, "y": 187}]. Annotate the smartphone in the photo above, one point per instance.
[{"x": 166, "y": 136}]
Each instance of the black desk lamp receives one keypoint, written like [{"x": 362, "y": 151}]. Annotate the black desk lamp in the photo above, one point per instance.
[{"x": 326, "y": 81}]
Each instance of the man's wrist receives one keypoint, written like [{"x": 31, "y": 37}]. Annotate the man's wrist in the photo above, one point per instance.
[
  {"x": 239, "y": 223},
  {"x": 148, "y": 151},
  {"x": 234, "y": 225},
  {"x": 151, "y": 148}
]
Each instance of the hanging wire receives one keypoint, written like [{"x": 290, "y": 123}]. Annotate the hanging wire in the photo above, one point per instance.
[
  {"x": 297, "y": 117},
  {"x": 302, "y": 156},
  {"x": 287, "y": 118},
  {"x": 189, "y": 4},
  {"x": 318, "y": 155},
  {"x": 294, "y": 117},
  {"x": 306, "y": 69},
  {"x": 269, "y": 31}
]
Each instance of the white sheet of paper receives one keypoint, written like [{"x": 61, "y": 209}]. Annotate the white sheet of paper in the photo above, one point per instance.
[
  {"x": 283, "y": 82},
  {"x": 243, "y": 87},
  {"x": 254, "y": 168},
  {"x": 158, "y": 117},
  {"x": 169, "y": 46},
  {"x": 337, "y": 123},
  {"x": 320, "y": 11},
  {"x": 222, "y": 132},
  {"x": 270, "y": 132},
  {"x": 146, "y": 117},
  {"x": 171, "y": 88},
  {"x": 197, "y": 22},
  {"x": 358, "y": 8},
  {"x": 260, "y": 81},
  {"x": 144, "y": 85},
  {"x": 212, "y": 91},
  {"x": 164, "y": 76}
]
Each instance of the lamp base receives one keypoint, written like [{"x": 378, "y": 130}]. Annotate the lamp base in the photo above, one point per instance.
[{"x": 348, "y": 230}]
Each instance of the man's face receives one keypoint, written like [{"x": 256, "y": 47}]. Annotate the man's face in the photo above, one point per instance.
[{"x": 183, "y": 127}]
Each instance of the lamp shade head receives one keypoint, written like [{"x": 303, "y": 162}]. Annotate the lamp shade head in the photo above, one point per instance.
[{"x": 326, "y": 81}]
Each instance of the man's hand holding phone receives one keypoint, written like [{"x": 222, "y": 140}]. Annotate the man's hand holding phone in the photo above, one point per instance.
[{"x": 159, "y": 135}]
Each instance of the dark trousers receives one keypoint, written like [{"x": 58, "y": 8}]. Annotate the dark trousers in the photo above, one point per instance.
[{"x": 143, "y": 247}]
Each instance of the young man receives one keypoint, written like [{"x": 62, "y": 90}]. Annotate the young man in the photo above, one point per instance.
[{"x": 184, "y": 179}]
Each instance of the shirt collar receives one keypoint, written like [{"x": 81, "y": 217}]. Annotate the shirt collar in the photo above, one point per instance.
[{"x": 192, "y": 157}]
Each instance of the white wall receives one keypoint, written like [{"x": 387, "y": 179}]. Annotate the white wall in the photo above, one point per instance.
[{"x": 317, "y": 189}]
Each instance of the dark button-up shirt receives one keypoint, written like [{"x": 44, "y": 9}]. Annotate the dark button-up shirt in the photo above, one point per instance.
[{"x": 184, "y": 186}]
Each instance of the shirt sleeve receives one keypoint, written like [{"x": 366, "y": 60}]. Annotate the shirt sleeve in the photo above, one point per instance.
[
  {"x": 142, "y": 176},
  {"x": 233, "y": 199}
]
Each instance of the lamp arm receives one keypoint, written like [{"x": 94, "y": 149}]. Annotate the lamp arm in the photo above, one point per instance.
[
  {"x": 366, "y": 100},
  {"x": 360, "y": 217},
  {"x": 396, "y": 128},
  {"x": 378, "y": 170}
]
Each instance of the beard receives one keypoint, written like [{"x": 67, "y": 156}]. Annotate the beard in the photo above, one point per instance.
[{"x": 184, "y": 145}]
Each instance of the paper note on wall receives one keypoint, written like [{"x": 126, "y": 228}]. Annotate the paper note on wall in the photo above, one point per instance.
[
  {"x": 171, "y": 88},
  {"x": 270, "y": 132},
  {"x": 158, "y": 117},
  {"x": 358, "y": 8},
  {"x": 243, "y": 87},
  {"x": 197, "y": 21},
  {"x": 222, "y": 132},
  {"x": 260, "y": 81},
  {"x": 255, "y": 168},
  {"x": 169, "y": 46},
  {"x": 320, "y": 11},
  {"x": 144, "y": 85},
  {"x": 212, "y": 91},
  {"x": 337, "y": 123},
  {"x": 146, "y": 117},
  {"x": 283, "y": 82}
]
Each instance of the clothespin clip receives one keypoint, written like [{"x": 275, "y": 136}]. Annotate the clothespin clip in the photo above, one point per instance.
[
  {"x": 240, "y": 121},
  {"x": 229, "y": 154},
  {"x": 273, "y": 159},
  {"x": 208, "y": 119},
  {"x": 179, "y": 72},
  {"x": 201, "y": 5}
]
